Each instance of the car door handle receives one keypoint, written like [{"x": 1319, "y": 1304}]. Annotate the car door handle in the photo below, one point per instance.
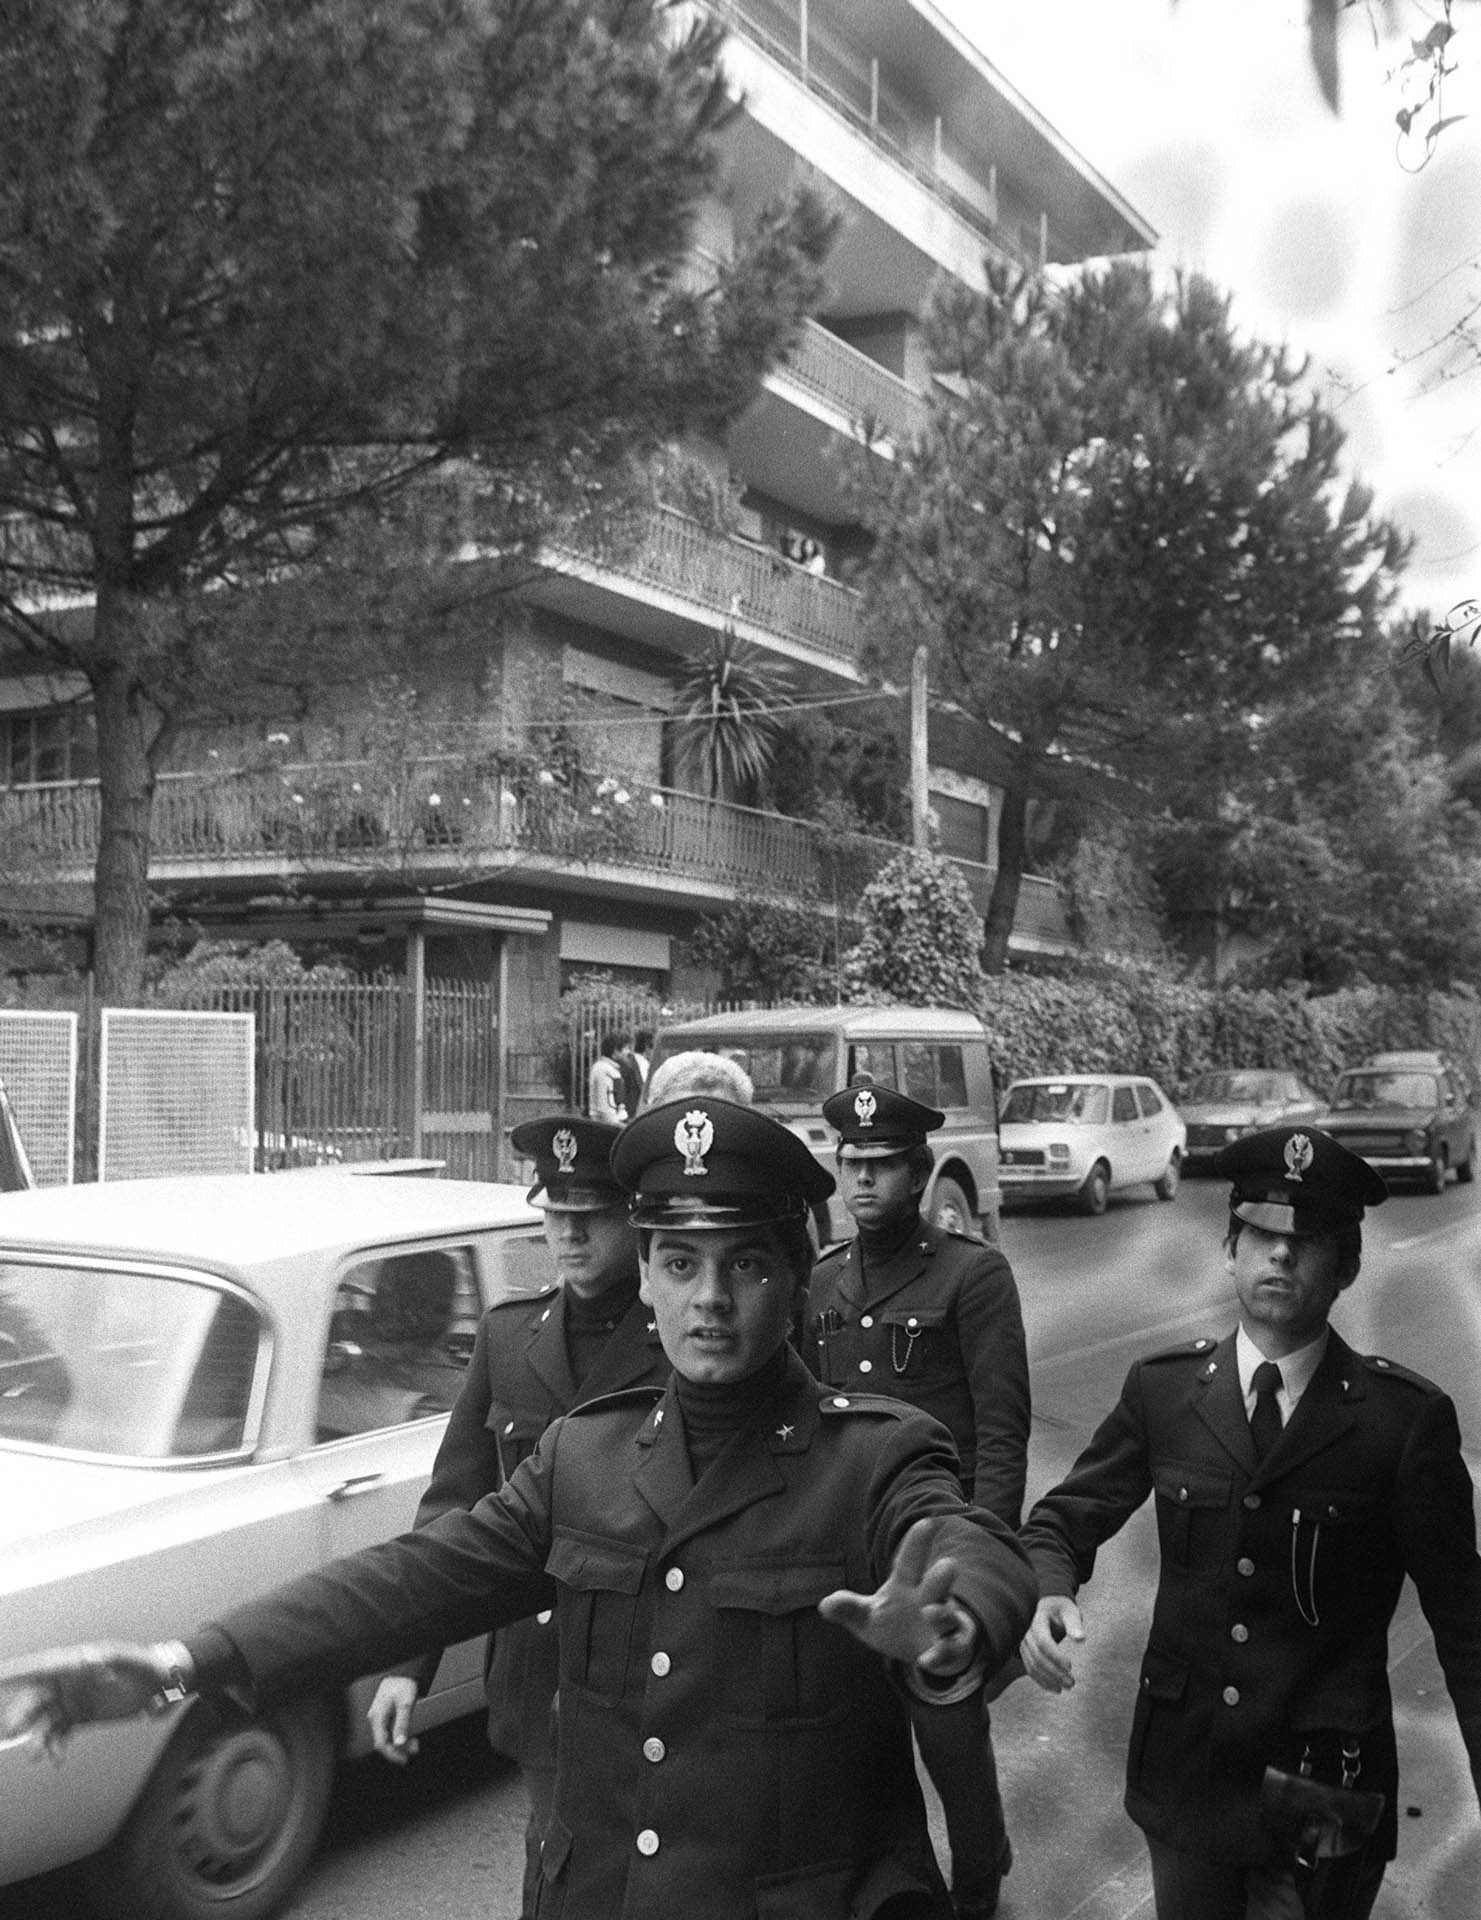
[{"x": 356, "y": 1484}]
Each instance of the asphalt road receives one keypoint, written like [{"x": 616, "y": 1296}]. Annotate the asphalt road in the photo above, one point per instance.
[{"x": 442, "y": 1840}]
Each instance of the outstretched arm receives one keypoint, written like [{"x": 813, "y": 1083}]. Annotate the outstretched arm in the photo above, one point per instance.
[{"x": 913, "y": 1617}]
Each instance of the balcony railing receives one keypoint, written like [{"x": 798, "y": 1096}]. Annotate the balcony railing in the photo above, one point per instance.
[
  {"x": 722, "y": 575},
  {"x": 855, "y": 385},
  {"x": 442, "y": 817}
]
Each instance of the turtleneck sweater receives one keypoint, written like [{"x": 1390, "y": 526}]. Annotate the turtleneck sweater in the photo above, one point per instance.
[
  {"x": 712, "y": 1413},
  {"x": 589, "y": 1322}
]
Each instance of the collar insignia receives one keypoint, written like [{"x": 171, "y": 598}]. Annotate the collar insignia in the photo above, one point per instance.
[
  {"x": 785, "y": 1432},
  {"x": 694, "y": 1136},
  {"x": 1299, "y": 1155},
  {"x": 563, "y": 1146}
]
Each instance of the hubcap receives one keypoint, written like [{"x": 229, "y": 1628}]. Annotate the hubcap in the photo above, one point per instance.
[{"x": 234, "y": 1799}]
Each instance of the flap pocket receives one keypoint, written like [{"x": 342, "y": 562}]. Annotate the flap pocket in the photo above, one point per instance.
[
  {"x": 592, "y": 1565},
  {"x": 1184, "y": 1484},
  {"x": 517, "y": 1426},
  {"x": 914, "y": 1319},
  {"x": 775, "y": 1589},
  {"x": 1162, "y": 1678},
  {"x": 1337, "y": 1506}
]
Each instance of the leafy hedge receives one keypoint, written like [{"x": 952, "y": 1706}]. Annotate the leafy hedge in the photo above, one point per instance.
[{"x": 1142, "y": 1020}]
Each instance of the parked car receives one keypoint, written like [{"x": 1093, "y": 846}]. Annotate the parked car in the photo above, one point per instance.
[
  {"x": 797, "y": 1056},
  {"x": 1086, "y": 1136},
  {"x": 1411, "y": 1123},
  {"x": 1230, "y": 1101},
  {"x": 208, "y": 1384},
  {"x": 1455, "y": 1064}
]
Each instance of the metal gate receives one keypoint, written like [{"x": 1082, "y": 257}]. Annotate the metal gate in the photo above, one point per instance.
[
  {"x": 174, "y": 1093},
  {"x": 38, "y": 1065}
]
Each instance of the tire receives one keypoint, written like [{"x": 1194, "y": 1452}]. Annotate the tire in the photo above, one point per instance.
[
  {"x": 1465, "y": 1172},
  {"x": 950, "y": 1211},
  {"x": 1166, "y": 1186},
  {"x": 228, "y": 1821},
  {"x": 1434, "y": 1179},
  {"x": 1095, "y": 1191}
]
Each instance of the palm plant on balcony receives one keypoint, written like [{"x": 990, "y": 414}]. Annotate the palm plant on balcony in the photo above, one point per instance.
[{"x": 729, "y": 714}]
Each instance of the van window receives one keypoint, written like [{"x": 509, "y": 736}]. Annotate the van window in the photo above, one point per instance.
[
  {"x": 872, "y": 1063},
  {"x": 934, "y": 1074},
  {"x": 796, "y": 1071}
]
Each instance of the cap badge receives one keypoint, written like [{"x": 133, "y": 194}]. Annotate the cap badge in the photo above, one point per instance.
[
  {"x": 864, "y": 1106},
  {"x": 694, "y": 1136},
  {"x": 1299, "y": 1156},
  {"x": 563, "y": 1146}
]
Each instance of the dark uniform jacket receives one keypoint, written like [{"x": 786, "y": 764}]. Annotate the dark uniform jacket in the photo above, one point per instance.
[
  {"x": 937, "y": 1323},
  {"x": 725, "y": 1753},
  {"x": 1278, "y": 1580},
  {"x": 519, "y": 1380}
]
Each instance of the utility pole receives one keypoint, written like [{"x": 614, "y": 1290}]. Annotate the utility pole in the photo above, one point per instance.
[{"x": 920, "y": 791}]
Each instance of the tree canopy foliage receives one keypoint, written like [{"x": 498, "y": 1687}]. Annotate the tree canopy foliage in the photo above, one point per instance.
[
  {"x": 269, "y": 269},
  {"x": 1128, "y": 538}
]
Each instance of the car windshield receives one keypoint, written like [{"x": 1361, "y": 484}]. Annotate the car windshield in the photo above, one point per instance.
[
  {"x": 796, "y": 1071},
  {"x": 1378, "y": 1089},
  {"x": 1057, "y": 1100},
  {"x": 1238, "y": 1084},
  {"x": 136, "y": 1366}
]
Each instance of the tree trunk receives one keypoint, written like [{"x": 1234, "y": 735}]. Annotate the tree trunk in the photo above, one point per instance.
[
  {"x": 1002, "y": 909},
  {"x": 127, "y": 728}
]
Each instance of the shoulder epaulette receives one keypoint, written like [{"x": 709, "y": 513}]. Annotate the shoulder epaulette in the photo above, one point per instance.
[
  {"x": 1387, "y": 1369},
  {"x": 622, "y": 1397},
  {"x": 1189, "y": 1350},
  {"x": 525, "y": 1299},
  {"x": 865, "y": 1403}
]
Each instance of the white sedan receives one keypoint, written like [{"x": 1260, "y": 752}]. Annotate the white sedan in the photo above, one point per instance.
[
  {"x": 208, "y": 1385},
  {"x": 1084, "y": 1136}
]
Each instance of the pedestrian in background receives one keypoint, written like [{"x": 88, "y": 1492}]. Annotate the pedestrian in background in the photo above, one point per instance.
[
  {"x": 535, "y": 1357},
  {"x": 605, "y": 1089},
  {"x": 934, "y": 1318},
  {"x": 1297, "y": 1483},
  {"x": 748, "y": 1571}
]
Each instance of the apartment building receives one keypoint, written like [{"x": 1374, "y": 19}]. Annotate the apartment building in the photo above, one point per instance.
[{"x": 527, "y": 814}]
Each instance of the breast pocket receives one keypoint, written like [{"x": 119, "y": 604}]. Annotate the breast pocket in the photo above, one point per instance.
[
  {"x": 600, "y": 1583},
  {"x": 779, "y": 1662},
  {"x": 1192, "y": 1504},
  {"x": 917, "y": 1344},
  {"x": 516, "y": 1432}
]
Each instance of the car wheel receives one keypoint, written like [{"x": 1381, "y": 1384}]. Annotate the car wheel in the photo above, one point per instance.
[
  {"x": 1166, "y": 1187},
  {"x": 1434, "y": 1179},
  {"x": 228, "y": 1820},
  {"x": 1465, "y": 1173},
  {"x": 1096, "y": 1189},
  {"x": 950, "y": 1211}
]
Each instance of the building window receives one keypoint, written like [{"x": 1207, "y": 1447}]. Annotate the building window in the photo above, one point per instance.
[
  {"x": 964, "y": 828},
  {"x": 44, "y": 748}
]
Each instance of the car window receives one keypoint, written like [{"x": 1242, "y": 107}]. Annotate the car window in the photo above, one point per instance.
[
  {"x": 1374, "y": 1087},
  {"x": 872, "y": 1063},
  {"x": 518, "y": 1263},
  {"x": 1123, "y": 1104},
  {"x": 935, "y": 1074},
  {"x": 399, "y": 1339},
  {"x": 1148, "y": 1098},
  {"x": 1066, "y": 1102},
  {"x": 131, "y": 1365}
]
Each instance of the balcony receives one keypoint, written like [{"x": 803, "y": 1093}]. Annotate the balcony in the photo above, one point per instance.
[
  {"x": 441, "y": 822},
  {"x": 852, "y": 386},
  {"x": 675, "y": 574}
]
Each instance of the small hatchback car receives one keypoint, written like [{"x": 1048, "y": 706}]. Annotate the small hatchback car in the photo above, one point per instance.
[
  {"x": 206, "y": 1386},
  {"x": 1084, "y": 1136}
]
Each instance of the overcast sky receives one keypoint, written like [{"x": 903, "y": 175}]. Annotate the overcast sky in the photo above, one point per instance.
[{"x": 1206, "y": 115}]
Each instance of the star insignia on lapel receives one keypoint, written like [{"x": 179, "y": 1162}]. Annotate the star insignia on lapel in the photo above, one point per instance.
[
  {"x": 658, "y": 1417},
  {"x": 652, "y": 1327},
  {"x": 785, "y": 1432}
]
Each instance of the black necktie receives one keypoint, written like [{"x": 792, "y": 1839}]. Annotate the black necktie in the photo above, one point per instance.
[{"x": 1265, "y": 1421}]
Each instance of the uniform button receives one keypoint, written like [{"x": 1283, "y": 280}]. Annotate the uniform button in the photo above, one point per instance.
[
  {"x": 866, "y": 1366},
  {"x": 1231, "y": 1696},
  {"x": 911, "y": 1323},
  {"x": 1245, "y": 1567},
  {"x": 544, "y": 1619},
  {"x": 839, "y": 1401},
  {"x": 1239, "y": 1634},
  {"x": 1251, "y": 1500},
  {"x": 674, "y": 1579},
  {"x": 509, "y": 1428},
  {"x": 660, "y": 1664},
  {"x": 1182, "y": 1493},
  {"x": 867, "y": 1321},
  {"x": 648, "y": 1842},
  {"x": 654, "y": 1749}
]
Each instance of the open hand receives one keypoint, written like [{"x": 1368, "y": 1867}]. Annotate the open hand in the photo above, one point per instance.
[
  {"x": 912, "y": 1617},
  {"x": 45, "y": 1695}
]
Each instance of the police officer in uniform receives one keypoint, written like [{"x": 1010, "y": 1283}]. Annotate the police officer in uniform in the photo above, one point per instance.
[
  {"x": 933, "y": 1318},
  {"x": 748, "y": 1570},
  {"x": 1296, "y": 1484},
  {"x": 534, "y": 1358}
]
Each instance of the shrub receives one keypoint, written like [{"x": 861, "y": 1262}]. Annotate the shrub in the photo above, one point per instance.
[{"x": 922, "y": 936}]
